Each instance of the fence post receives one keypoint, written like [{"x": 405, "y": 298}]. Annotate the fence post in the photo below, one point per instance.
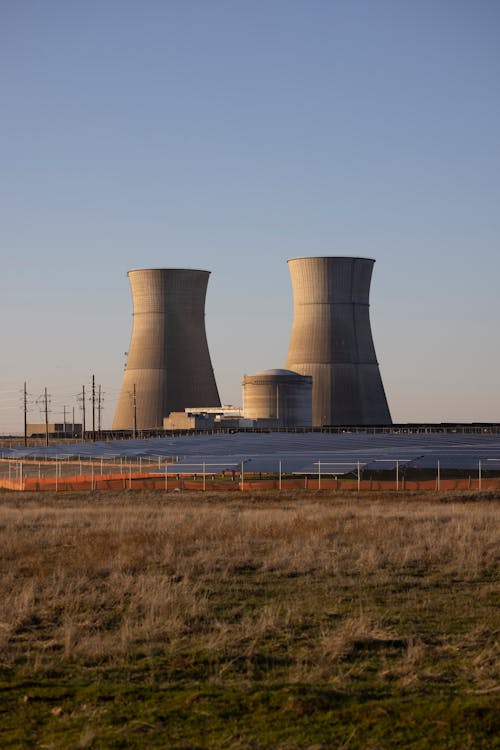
[
  {"x": 130, "y": 476},
  {"x": 204, "y": 484},
  {"x": 438, "y": 478},
  {"x": 57, "y": 477},
  {"x": 319, "y": 475},
  {"x": 397, "y": 475},
  {"x": 479, "y": 476},
  {"x": 21, "y": 476},
  {"x": 279, "y": 482},
  {"x": 166, "y": 476},
  {"x": 359, "y": 477}
]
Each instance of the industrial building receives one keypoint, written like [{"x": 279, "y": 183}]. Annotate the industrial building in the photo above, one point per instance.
[
  {"x": 200, "y": 417},
  {"x": 220, "y": 412},
  {"x": 186, "y": 420},
  {"x": 331, "y": 340},
  {"x": 208, "y": 418},
  {"x": 54, "y": 429},
  {"x": 282, "y": 397},
  {"x": 168, "y": 365}
]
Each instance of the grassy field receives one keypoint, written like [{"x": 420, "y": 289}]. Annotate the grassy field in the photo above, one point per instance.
[{"x": 283, "y": 620}]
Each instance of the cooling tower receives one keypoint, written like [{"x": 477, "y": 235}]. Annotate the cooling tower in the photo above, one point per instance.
[
  {"x": 331, "y": 340},
  {"x": 168, "y": 363}
]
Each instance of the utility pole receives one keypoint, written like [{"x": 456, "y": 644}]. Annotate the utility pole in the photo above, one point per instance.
[
  {"x": 135, "y": 412},
  {"x": 73, "y": 423},
  {"x": 83, "y": 413},
  {"x": 93, "y": 408},
  {"x": 64, "y": 421},
  {"x": 46, "y": 419},
  {"x": 25, "y": 402},
  {"x": 99, "y": 410}
]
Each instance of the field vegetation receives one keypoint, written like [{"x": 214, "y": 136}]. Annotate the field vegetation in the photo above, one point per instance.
[{"x": 274, "y": 620}]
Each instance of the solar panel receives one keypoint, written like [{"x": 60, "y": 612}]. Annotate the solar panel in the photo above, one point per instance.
[{"x": 298, "y": 452}]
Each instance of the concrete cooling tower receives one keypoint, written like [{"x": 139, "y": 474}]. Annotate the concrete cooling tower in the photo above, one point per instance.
[
  {"x": 331, "y": 340},
  {"x": 168, "y": 365}
]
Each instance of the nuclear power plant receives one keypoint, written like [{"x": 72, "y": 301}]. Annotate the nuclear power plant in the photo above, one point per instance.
[
  {"x": 331, "y": 378},
  {"x": 168, "y": 365},
  {"x": 331, "y": 340}
]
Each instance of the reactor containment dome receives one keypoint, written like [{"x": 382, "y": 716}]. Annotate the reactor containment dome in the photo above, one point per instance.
[
  {"x": 168, "y": 365},
  {"x": 280, "y": 395},
  {"x": 331, "y": 340}
]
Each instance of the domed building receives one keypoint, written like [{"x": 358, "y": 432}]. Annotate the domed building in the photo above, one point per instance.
[{"x": 281, "y": 396}]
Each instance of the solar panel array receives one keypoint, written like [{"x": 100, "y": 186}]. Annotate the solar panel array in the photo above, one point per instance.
[{"x": 297, "y": 452}]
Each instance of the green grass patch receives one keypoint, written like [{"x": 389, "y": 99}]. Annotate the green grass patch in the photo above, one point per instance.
[{"x": 304, "y": 621}]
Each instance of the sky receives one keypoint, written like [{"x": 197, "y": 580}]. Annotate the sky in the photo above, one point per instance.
[{"x": 232, "y": 135}]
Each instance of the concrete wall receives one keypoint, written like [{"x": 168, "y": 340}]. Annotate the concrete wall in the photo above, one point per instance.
[
  {"x": 331, "y": 340},
  {"x": 168, "y": 360}
]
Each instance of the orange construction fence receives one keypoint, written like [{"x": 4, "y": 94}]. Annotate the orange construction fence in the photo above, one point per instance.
[{"x": 146, "y": 481}]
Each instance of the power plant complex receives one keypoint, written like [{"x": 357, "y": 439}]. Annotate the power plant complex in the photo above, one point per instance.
[{"x": 331, "y": 377}]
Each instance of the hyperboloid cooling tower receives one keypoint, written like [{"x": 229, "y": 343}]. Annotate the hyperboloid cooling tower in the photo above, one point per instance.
[
  {"x": 168, "y": 365},
  {"x": 331, "y": 340}
]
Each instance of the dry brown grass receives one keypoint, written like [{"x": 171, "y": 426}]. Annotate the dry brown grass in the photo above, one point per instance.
[{"x": 302, "y": 585}]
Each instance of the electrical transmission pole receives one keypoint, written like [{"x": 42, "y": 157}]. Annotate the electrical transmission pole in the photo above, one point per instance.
[
  {"x": 99, "y": 410},
  {"x": 46, "y": 419},
  {"x": 83, "y": 413},
  {"x": 135, "y": 412},
  {"x": 25, "y": 403},
  {"x": 93, "y": 408}
]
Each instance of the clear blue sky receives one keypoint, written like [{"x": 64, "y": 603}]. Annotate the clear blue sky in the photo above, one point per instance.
[{"x": 232, "y": 135}]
